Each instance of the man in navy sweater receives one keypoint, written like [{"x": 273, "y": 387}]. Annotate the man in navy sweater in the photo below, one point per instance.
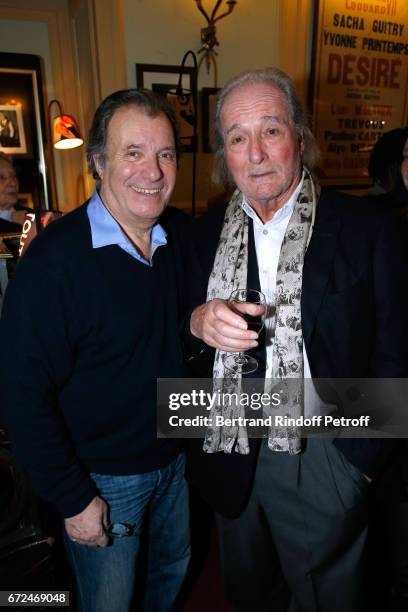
[{"x": 90, "y": 321}]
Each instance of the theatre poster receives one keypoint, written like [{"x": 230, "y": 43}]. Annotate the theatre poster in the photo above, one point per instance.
[{"x": 360, "y": 78}]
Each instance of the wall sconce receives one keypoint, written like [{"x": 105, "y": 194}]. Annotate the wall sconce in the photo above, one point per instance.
[
  {"x": 208, "y": 34},
  {"x": 66, "y": 134}
]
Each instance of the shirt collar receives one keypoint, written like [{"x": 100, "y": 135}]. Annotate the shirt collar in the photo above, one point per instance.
[
  {"x": 105, "y": 230},
  {"x": 283, "y": 212},
  {"x": 6, "y": 213}
]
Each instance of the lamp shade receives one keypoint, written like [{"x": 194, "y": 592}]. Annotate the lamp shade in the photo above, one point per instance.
[{"x": 66, "y": 134}]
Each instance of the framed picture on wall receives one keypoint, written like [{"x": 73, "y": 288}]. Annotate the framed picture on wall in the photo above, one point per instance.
[
  {"x": 164, "y": 80},
  {"x": 359, "y": 85},
  {"x": 208, "y": 100},
  {"x": 12, "y": 134},
  {"x": 22, "y": 124}
]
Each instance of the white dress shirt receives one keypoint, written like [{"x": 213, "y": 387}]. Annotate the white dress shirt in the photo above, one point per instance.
[{"x": 268, "y": 241}]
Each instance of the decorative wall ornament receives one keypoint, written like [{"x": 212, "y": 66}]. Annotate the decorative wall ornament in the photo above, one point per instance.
[{"x": 209, "y": 34}]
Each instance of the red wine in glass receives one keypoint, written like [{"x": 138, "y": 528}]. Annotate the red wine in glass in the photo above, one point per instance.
[{"x": 238, "y": 364}]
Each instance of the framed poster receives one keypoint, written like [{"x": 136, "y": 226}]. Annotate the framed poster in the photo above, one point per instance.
[
  {"x": 164, "y": 80},
  {"x": 360, "y": 80},
  {"x": 209, "y": 98},
  {"x": 22, "y": 124}
]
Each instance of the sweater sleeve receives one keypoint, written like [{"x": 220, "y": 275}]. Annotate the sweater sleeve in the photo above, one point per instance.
[{"x": 36, "y": 359}]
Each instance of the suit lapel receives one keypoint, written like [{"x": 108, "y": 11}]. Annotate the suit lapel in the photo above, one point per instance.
[{"x": 318, "y": 263}]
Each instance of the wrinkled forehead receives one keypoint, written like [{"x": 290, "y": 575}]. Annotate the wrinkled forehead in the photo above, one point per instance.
[
  {"x": 255, "y": 99},
  {"x": 125, "y": 117},
  {"x": 132, "y": 120}
]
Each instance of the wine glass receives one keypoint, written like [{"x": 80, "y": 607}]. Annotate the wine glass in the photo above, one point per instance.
[{"x": 242, "y": 363}]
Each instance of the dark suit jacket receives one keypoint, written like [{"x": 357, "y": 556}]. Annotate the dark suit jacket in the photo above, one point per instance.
[
  {"x": 354, "y": 301},
  {"x": 9, "y": 227}
]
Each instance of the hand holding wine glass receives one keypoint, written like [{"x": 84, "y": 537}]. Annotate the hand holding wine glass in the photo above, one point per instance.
[{"x": 242, "y": 363}]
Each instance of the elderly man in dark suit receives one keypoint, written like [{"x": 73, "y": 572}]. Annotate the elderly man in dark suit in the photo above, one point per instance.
[{"x": 292, "y": 512}]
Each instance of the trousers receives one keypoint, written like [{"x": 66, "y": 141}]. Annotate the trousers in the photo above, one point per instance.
[
  {"x": 158, "y": 502},
  {"x": 299, "y": 543}
]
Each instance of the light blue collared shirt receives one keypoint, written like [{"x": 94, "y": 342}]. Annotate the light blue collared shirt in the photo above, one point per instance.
[{"x": 106, "y": 230}]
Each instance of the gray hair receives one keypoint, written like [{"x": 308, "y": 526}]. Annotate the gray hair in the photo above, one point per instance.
[
  {"x": 150, "y": 102},
  {"x": 284, "y": 83}
]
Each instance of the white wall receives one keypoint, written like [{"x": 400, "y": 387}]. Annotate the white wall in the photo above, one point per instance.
[
  {"x": 27, "y": 37},
  {"x": 248, "y": 38}
]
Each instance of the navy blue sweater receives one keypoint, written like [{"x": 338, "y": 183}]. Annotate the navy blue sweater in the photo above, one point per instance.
[{"x": 84, "y": 335}]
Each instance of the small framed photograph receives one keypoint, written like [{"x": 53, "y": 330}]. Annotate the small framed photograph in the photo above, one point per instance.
[
  {"x": 208, "y": 100},
  {"x": 164, "y": 80},
  {"x": 12, "y": 135}
]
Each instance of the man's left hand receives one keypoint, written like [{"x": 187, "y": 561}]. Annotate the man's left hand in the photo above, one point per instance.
[{"x": 88, "y": 527}]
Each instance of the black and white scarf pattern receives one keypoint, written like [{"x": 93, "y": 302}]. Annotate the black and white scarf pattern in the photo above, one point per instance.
[{"x": 229, "y": 273}]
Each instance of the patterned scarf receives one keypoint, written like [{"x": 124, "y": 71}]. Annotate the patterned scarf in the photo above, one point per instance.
[{"x": 229, "y": 273}]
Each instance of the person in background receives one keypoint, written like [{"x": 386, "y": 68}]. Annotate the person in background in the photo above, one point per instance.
[
  {"x": 404, "y": 162},
  {"x": 388, "y": 167},
  {"x": 90, "y": 321},
  {"x": 387, "y": 558},
  {"x": 292, "y": 512},
  {"x": 11, "y": 218}
]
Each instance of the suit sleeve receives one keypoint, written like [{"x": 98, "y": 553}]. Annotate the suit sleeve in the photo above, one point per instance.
[
  {"x": 390, "y": 358},
  {"x": 390, "y": 343},
  {"x": 206, "y": 232},
  {"x": 36, "y": 360}
]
